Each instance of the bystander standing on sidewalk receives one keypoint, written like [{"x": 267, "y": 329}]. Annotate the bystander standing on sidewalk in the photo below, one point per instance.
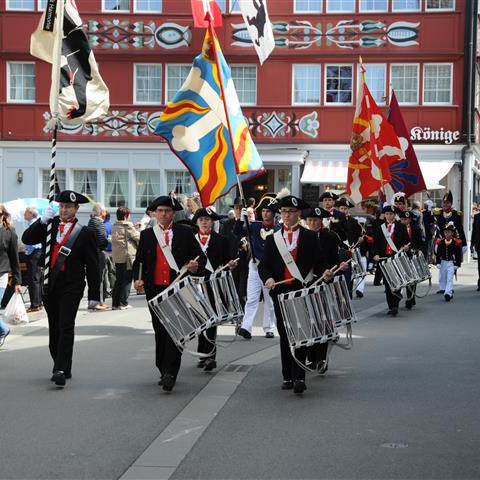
[
  {"x": 8, "y": 262},
  {"x": 109, "y": 271},
  {"x": 34, "y": 254},
  {"x": 125, "y": 238}
]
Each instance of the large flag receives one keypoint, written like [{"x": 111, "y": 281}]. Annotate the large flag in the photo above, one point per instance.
[
  {"x": 406, "y": 174},
  {"x": 196, "y": 127},
  {"x": 200, "y": 8},
  {"x": 255, "y": 15},
  {"x": 374, "y": 145},
  {"x": 82, "y": 96}
]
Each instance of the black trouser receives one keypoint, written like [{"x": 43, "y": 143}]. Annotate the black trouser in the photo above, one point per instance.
[
  {"x": 344, "y": 257},
  {"x": 101, "y": 268},
  {"x": 122, "y": 285},
  {"x": 108, "y": 275},
  {"x": 411, "y": 295},
  {"x": 35, "y": 278},
  {"x": 392, "y": 299},
  {"x": 478, "y": 268},
  {"x": 167, "y": 356},
  {"x": 318, "y": 352},
  {"x": 207, "y": 345},
  {"x": 62, "y": 307},
  {"x": 290, "y": 369}
]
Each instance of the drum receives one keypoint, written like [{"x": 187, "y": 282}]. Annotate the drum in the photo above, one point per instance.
[
  {"x": 313, "y": 315},
  {"x": 421, "y": 266},
  {"x": 184, "y": 311},
  {"x": 397, "y": 271},
  {"x": 219, "y": 290},
  {"x": 358, "y": 270}
]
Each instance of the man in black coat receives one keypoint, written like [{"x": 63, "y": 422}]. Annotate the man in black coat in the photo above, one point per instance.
[
  {"x": 337, "y": 222},
  {"x": 475, "y": 244},
  {"x": 397, "y": 233},
  {"x": 304, "y": 246},
  {"x": 216, "y": 249},
  {"x": 73, "y": 252},
  {"x": 447, "y": 215},
  {"x": 154, "y": 273}
]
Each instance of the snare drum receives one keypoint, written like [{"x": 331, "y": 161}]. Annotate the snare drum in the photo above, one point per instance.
[
  {"x": 421, "y": 267},
  {"x": 397, "y": 271},
  {"x": 358, "y": 269}
]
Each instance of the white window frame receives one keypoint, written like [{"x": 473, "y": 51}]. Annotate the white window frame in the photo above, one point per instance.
[
  {"x": 138, "y": 102},
  {"x": 365, "y": 10},
  {"x": 418, "y": 82},
  {"x": 15, "y": 9},
  {"x": 39, "y": 5},
  {"x": 337, "y": 104},
  {"x": 135, "y": 194},
  {"x": 296, "y": 10},
  {"x": 250, "y": 65},
  {"x": 451, "y": 84},
  {"x": 167, "y": 67},
  {"x": 115, "y": 11},
  {"x": 419, "y": 9},
  {"x": 10, "y": 100},
  {"x": 136, "y": 10},
  {"x": 85, "y": 170},
  {"x": 183, "y": 172},
  {"x": 319, "y": 65},
  {"x": 104, "y": 189},
  {"x": 329, "y": 10},
  {"x": 359, "y": 79},
  {"x": 439, "y": 9}
]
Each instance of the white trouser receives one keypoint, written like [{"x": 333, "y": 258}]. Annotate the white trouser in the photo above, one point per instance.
[
  {"x": 445, "y": 279},
  {"x": 361, "y": 284},
  {"x": 254, "y": 289}
]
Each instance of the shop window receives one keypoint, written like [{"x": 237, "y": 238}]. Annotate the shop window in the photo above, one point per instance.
[
  {"x": 116, "y": 189},
  {"x": 147, "y": 187},
  {"x": 306, "y": 84},
  {"x": 21, "y": 82},
  {"x": 284, "y": 178},
  {"x": 338, "y": 84}
]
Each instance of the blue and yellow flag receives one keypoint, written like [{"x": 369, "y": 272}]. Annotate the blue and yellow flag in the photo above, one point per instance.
[{"x": 195, "y": 125}]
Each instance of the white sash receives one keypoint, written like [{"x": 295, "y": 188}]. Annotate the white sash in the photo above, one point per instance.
[
  {"x": 167, "y": 251},
  {"x": 288, "y": 258},
  {"x": 208, "y": 265},
  {"x": 388, "y": 238}
]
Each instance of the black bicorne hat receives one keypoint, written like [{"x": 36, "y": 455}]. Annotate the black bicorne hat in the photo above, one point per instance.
[
  {"x": 406, "y": 214},
  {"x": 237, "y": 201},
  {"x": 165, "y": 201},
  {"x": 390, "y": 208},
  {"x": 69, "y": 196},
  {"x": 328, "y": 194},
  {"x": 292, "y": 202},
  {"x": 448, "y": 197},
  {"x": 317, "y": 212},
  {"x": 344, "y": 202},
  {"x": 205, "y": 212},
  {"x": 268, "y": 201}
]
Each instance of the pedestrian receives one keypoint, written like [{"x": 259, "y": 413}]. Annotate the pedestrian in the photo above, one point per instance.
[
  {"x": 34, "y": 256},
  {"x": 109, "y": 272},
  {"x": 449, "y": 258},
  {"x": 215, "y": 248},
  {"x": 155, "y": 270},
  {"x": 9, "y": 262},
  {"x": 125, "y": 238},
  {"x": 292, "y": 254},
  {"x": 95, "y": 224},
  {"x": 475, "y": 244},
  {"x": 73, "y": 254}
]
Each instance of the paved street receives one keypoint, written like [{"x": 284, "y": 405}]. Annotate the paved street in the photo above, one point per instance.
[{"x": 403, "y": 404}]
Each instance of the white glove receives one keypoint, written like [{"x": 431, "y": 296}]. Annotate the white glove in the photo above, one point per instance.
[
  {"x": 48, "y": 214},
  {"x": 243, "y": 214}
]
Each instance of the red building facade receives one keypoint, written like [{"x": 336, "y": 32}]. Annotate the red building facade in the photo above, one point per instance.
[{"x": 299, "y": 104}]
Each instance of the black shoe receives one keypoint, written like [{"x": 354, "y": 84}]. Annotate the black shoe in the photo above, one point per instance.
[
  {"x": 377, "y": 284},
  {"x": 359, "y": 294},
  {"x": 299, "y": 387},
  {"x": 210, "y": 364},
  {"x": 322, "y": 367},
  {"x": 201, "y": 363},
  {"x": 394, "y": 312},
  {"x": 58, "y": 378},
  {"x": 287, "y": 385},
  {"x": 441, "y": 291},
  {"x": 168, "y": 381},
  {"x": 269, "y": 335},
  {"x": 3, "y": 337},
  {"x": 409, "y": 305},
  {"x": 390, "y": 312},
  {"x": 244, "y": 333},
  {"x": 448, "y": 297},
  {"x": 160, "y": 382},
  {"x": 478, "y": 289}
]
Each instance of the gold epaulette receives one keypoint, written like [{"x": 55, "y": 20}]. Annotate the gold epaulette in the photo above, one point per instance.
[
  {"x": 459, "y": 213},
  {"x": 437, "y": 211}
]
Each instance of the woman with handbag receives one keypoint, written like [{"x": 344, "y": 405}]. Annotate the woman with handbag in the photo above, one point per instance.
[
  {"x": 8, "y": 262},
  {"x": 125, "y": 238}
]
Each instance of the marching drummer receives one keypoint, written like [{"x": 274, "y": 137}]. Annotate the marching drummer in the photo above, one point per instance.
[
  {"x": 291, "y": 256},
  {"x": 259, "y": 232},
  {"x": 337, "y": 222},
  {"x": 161, "y": 252},
  {"x": 390, "y": 237},
  {"x": 216, "y": 249},
  {"x": 449, "y": 258}
]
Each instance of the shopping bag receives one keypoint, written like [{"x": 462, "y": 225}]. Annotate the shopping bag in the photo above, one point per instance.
[{"x": 15, "y": 311}]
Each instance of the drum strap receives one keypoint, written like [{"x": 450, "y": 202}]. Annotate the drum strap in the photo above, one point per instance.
[
  {"x": 288, "y": 259},
  {"x": 208, "y": 265},
  {"x": 167, "y": 251},
  {"x": 388, "y": 238}
]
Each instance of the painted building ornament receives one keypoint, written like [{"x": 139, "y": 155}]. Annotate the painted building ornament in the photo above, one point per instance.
[
  {"x": 123, "y": 34},
  {"x": 302, "y": 34},
  {"x": 121, "y": 123}
]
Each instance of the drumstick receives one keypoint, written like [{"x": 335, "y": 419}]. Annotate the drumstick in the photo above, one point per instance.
[
  {"x": 334, "y": 271},
  {"x": 183, "y": 271},
  {"x": 226, "y": 265},
  {"x": 140, "y": 268}
]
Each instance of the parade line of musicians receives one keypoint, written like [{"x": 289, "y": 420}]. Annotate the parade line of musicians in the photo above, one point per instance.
[{"x": 289, "y": 241}]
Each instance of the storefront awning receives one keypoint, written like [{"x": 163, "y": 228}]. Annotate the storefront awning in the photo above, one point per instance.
[{"x": 335, "y": 172}]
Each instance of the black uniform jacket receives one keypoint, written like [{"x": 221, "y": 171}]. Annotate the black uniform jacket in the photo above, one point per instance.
[
  {"x": 184, "y": 248},
  {"x": 338, "y": 224},
  {"x": 218, "y": 251},
  {"x": 451, "y": 252},
  {"x": 416, "y": 241},
  {"x": 309, "y": 255},
  {"x": 441, "y": 219},
  {"x": 329, "y": 244},
  {"x": 400, "y": 238},
  {"x": 476, "y": 232},
  {"x": 83, "y": 259},
  {"x": 354, "y": 230}
]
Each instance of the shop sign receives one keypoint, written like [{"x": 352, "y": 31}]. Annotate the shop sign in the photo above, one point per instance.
[{"x": 426, "y": 134}]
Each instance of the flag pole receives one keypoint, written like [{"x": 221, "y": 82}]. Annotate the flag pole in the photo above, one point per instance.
[
  {"x": 211, "y": 31},
  {"x": 56, "y": 66}
]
